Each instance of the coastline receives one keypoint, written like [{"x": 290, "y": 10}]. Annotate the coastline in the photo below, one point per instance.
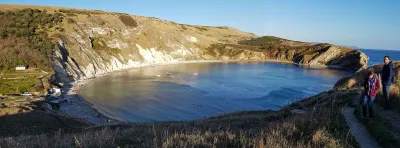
[{"x": 79, "y": 108}]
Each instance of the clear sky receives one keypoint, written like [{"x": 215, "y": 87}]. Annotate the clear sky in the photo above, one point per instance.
[{"x": 373, "y": 24}]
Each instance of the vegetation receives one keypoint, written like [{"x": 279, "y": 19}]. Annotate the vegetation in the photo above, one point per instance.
[
  {"x": 101, "y": 46},
  {"x": 183, "y": 27},
  {"x": 23, "y": 38},
  {"x": 201, "y": 28},
  {"x": 74, "y": 12},
  {"x": 71, "y": 21},
  {"x": 262, "y": 41},
  {"x": 322, "y": 125},
  {"x": 128, "y": 20},
  {"x": 222, "y": 27},
  {"x": 379, "y": 129},
  {"x": 15, "y": 82}
]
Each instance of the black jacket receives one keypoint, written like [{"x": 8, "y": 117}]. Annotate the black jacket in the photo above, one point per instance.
[{"x": 387, "y": 74}]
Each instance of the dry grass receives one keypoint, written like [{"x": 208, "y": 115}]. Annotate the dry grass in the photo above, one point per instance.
[
  {"x": 394, "y": 98},
  {"x": 323, "y": 126}
]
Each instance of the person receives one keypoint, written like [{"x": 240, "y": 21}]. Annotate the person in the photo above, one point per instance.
[
  {"x": 372, "y": 85},
  {"x": 387, "y": 79}
]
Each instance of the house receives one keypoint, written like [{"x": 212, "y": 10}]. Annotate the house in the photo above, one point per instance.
[{"x": 21, "y": 67}]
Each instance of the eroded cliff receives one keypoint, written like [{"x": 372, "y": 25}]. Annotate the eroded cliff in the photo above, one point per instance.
[{"x": 91, "y": 42}]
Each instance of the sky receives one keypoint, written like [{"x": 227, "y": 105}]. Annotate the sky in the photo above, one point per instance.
[{"x": 372, "y": 24}]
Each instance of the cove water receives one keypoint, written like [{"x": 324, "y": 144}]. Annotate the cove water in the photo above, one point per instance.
[{"x": 194, "y": 91}]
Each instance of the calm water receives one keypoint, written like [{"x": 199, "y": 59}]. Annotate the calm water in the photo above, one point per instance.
[
  {"x": 139, "y": 95},
  {"x": 376, "y": 56}
]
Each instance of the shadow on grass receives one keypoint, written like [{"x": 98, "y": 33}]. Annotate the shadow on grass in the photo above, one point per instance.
[
  {"x": 379, "y": 128},
  {"x": 36, "y": 122}
]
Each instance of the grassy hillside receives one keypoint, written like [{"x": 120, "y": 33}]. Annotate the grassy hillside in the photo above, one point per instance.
[{"x": 322, "y": 125}]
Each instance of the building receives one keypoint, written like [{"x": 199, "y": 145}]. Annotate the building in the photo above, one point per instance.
[{"x": 21, "y": 67}]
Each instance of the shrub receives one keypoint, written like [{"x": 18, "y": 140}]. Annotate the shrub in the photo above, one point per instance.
[
  {"x": 128, "y": 20},
  {"x": 99, "y": 45},
  {"x": 70, "y": 20},
  {"x": 183, "y": 27},
  {"x": 201, "y": 28}
]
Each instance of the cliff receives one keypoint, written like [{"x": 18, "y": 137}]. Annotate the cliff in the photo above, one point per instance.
[{"x": 92, "y": 42}]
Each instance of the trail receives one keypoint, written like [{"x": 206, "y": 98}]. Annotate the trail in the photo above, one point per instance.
[{"x": 358, "y": 130}]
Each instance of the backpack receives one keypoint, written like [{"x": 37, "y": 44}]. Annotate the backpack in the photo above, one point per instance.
[{"x": 395, "y": 73}]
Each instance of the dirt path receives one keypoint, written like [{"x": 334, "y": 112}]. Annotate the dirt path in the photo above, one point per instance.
[{"x": 358, "y": 130}]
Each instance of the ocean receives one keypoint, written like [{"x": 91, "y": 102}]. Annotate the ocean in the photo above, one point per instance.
[{"x": 376, "y": 56}]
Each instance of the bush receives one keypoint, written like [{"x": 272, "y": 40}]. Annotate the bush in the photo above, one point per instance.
[
  {"x": 201, "y": 28},
  {"x": 70, "y": 20},
  {"x": 183, "y": 27},
  {"x": 3, "y": 33},
  {"x": 99, "y": 45},
  {"x": 128, "y": 20}
]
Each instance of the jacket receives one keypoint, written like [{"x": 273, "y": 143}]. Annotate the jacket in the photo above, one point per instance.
[
  {"x": 387, "y": 74},
  {"x": 371, "y": 92}
]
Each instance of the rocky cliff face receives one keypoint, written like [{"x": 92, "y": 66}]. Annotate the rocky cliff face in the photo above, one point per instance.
[{"x": 91, "y": 43}]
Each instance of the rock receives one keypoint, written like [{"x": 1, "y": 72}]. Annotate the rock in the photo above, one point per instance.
[
  {"x": 354, "y": 60},
  {"x": 297, "y": 111},
  {"x": 47, "y": 107}
]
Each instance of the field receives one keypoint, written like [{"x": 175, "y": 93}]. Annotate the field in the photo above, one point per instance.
[{"x": 16, "y": 82}]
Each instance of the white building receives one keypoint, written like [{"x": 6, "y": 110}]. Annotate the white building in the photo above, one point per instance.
[{"x": 21, "y": 67}]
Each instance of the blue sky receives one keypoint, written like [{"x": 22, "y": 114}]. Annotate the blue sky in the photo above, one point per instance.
[{"x": 373, "y": 24}]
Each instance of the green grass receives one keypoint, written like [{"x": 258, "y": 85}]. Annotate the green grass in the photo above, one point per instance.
[
  {"x": 262, "y": 41},
  {"x": 24, "y": 82}
]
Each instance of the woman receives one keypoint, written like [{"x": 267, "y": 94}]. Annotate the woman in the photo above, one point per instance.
[{"x": 372, "y": 85}]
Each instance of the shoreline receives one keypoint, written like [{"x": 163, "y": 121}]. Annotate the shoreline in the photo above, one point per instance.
[{"x": 79, "y": 108}]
